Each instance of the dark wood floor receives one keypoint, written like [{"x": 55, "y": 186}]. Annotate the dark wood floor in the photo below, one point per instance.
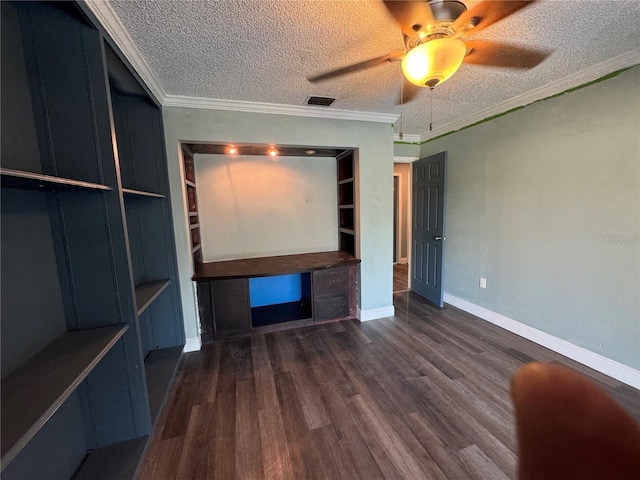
[
  {"x": 423, "y": 395},
  {"x": 400, "y": 277}
]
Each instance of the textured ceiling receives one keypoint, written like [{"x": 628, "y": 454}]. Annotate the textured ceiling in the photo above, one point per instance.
[{"x": 263, "y": 51}]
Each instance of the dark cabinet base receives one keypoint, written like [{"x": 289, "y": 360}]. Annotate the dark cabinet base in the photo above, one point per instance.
[
  {"x": 224, "y": 308},
  {"x": 334, "y": 293},
  {"x": 331, "y": 307},
  {"x": 224, "y": 303}
]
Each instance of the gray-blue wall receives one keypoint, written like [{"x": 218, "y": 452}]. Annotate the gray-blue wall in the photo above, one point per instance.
[{"x": 544, "y": 203}]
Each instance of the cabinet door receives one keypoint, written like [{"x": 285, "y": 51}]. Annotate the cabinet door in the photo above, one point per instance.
[
  {"x": 331, "y": 294},
  {"x": 230, "y": 307}
]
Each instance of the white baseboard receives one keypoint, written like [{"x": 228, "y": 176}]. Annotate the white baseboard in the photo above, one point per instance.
[
  {"x": 375, "y": 313},
  {"x": 192, "y": 344},
  {"x": 602, "y": 364}
]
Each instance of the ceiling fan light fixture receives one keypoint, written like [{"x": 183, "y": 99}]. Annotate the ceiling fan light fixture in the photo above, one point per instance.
[{"x": 433, "y": 62}]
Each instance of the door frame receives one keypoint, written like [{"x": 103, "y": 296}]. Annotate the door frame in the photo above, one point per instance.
[
  {"x": 397, "y": 217},
  {"x": 409, "y": 161}
]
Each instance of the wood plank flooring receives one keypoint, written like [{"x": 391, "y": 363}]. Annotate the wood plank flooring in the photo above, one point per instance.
[
  {"x": 422, "y": 395},
  {"x": 400, "y": 277}
]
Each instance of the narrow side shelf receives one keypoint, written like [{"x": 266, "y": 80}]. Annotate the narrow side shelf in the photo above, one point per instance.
[
  {"x": 190, "y": 183},
  {"x": 33, "y": 393},
  {"x": 194, "y": 225},
  {"x": 347, "y": 203},
  {"x": 141, "y": 193},
  {"x": 38, "y": 181},
  {"x": 147, "y": 292},
  {"x": 196, "y": 248}
]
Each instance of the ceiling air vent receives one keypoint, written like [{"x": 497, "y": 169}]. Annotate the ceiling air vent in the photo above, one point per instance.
[{"x": 320, "y": 101}]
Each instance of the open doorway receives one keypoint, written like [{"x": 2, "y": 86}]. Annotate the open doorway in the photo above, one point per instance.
[{"x": 402, "y": 224}]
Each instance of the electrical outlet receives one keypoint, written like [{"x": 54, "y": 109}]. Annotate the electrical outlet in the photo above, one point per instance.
[{"x": 483, "y": 282}]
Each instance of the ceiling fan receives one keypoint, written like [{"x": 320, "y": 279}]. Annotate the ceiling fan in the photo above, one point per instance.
[{"x": 434, "y": 35}]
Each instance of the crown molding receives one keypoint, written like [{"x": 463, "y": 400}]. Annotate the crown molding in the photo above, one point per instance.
[
  {"x": 577, "y": 79},
  {"x": 116, "y": 30},
  {"x": 110, "y": 21},
  {"x": 276, "y": 109},
  {"x": 407, "y": 138}
]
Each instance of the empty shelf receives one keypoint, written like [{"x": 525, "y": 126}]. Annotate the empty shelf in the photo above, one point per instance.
[
  {"x": 160, "y": 367},
  {"x": 119, "y": 461},
  {"x": 141, "y": 193},
  {"x": 147, "y": 293},
  {"x": 33, "y": 393},
  {"x": 38, "y": 181},
  {"x": 346, "y": 180}
]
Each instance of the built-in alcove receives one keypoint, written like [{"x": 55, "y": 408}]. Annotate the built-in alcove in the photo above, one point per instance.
[{"x": 274, "y": 239}]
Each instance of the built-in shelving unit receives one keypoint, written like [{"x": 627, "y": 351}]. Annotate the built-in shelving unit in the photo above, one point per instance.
[
  {"x": 139, "y": 135},
  {"x": 192, "y": 206},
  {"x": 346, "y": 202},
  {"x": 91, "y": 318}
]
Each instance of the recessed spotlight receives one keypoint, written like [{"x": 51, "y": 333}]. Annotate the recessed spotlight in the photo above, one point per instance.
[
  {"x": 310, "y": 152},
  {"x": 231, "y": 150},
  {"x": 273, "y": 151}
]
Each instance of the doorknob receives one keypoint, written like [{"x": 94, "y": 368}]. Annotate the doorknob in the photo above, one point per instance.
[{"x": 439, "y": 238}]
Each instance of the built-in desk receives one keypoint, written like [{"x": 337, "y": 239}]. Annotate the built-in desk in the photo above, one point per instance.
[{"x": 223, "y": 290}]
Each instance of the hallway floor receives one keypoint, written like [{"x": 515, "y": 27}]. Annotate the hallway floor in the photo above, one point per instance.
[{"x": 400, "y": 277}]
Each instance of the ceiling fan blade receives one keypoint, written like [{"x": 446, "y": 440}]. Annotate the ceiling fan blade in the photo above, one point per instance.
[
  {"x": 487, "y": 13},
  {"x": 495, "y": 54},
  {"x": 408, "y": 14},
  {"x": 374, "y": 62},
  {"x": 408, "y": 93}
]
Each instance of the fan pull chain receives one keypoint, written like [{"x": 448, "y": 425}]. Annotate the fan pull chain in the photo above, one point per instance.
[
  {"x": 431, "y": 117},
  {"x": 401, "y": 134}
]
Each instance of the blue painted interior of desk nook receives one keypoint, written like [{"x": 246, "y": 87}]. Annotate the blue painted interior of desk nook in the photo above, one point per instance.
[{"x": 275, "y": 290}]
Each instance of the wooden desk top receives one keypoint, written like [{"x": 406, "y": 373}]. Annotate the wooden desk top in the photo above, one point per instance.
[{"x": 269, "y": 266}]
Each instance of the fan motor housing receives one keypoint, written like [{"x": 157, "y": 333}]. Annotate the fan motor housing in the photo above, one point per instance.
[{"x": 445, "y": 12}]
